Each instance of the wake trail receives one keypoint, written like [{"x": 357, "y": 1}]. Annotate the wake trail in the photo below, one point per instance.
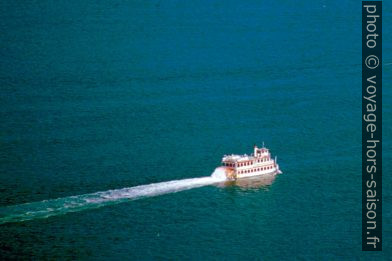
[{"x": 61, "y": 206}]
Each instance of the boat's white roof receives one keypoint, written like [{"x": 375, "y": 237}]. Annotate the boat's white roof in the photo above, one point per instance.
[
  {"x": 244, "y": 157},
  {"x": 235, "y": 157}
]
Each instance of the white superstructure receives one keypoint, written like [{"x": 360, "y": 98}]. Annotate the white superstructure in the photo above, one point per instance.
[{"x": 243, "y": 166}]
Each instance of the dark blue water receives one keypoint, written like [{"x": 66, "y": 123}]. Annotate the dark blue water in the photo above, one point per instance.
[{"x": 97, "y": 96}]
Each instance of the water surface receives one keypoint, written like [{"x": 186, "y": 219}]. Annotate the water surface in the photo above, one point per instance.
[{"x": 100, "y": 96}]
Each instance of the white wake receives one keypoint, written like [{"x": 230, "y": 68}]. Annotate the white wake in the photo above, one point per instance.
[{"x": 60, "y": 206}]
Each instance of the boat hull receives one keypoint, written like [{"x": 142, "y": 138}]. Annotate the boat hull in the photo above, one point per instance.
[
  {"x": 232, "y": 175},
  {"x": 259, "y": 173}
]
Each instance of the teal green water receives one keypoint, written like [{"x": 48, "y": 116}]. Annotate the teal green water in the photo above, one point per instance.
[{"x": 100, "y": 96}]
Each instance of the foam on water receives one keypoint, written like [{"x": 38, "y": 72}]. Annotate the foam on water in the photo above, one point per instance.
[{"x": 60, "y": 206}]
